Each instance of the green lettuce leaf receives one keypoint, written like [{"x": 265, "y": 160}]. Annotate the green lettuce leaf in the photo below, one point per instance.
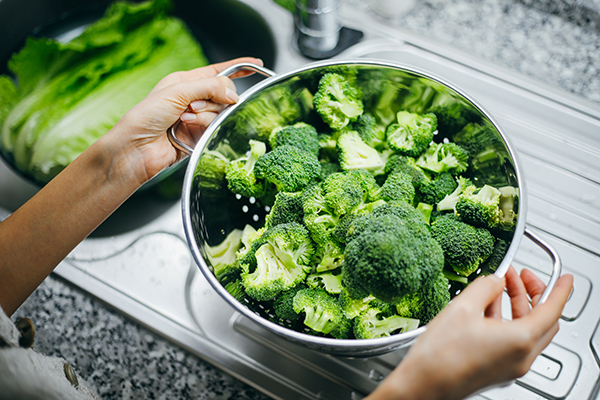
[{"x": 67, "y": 95}]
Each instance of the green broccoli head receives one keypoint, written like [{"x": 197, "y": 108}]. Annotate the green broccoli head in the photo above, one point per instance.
[
  {"x": 286, "y": 208},
  {"x": 412, "y": 133},
  {"x": 282, "y": 257},
  {"x": 452, "y": 117},
  {"x": 371, "y": 324},
  {"x": 354, "y": 153},
  {"x": 390, "y": 259},
  {"x": 432, "y": 191},
  {"x": 369, "y": 131},
  {"x": 287, "y": 167},
  {"x": 240, "y": 173},
  {"x": 491, "y": 264},
  {"x": 301, "y": 135},
  {"x": 271, "y": 109},
  {"x": 236, "y": 289},
  {"x": 353, "y": 307},
  {"x": 210, "y": 171},
  {"x": 319, "y": 218},
  {"x": 329, "y": 254},
  {"x": 465, "y": 246},
  {"x": 398, "y": 186},
  {"x": 322, "y": 312},
  {"x": 337, "y": 101},
  {"x": 283, "y": 306},
  {"x": 408, "y": 165},
  {"x": 480, "y": 208},
  {"x": 441, "y": 157},
  {"x": 464, "y": 188}
]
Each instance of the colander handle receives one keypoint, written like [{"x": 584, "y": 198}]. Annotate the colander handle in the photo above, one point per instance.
[
  {"x": 556, "y": 263},
  {"x": 178, "y": 144}
]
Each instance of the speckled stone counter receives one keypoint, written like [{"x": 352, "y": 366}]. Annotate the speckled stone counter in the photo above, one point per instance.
[{"x": 556, "y": 42}]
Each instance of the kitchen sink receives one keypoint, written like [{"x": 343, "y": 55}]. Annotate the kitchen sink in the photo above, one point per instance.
[{"x": 140, "y": 264}]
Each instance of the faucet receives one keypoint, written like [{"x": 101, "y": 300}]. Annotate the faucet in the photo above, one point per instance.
[{"x": 319, "y": 31}]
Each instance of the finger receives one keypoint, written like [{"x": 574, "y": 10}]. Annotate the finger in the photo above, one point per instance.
[
  {"x": 216, "y": 89},
  {"x": 208, "y": 71},
  {"x": 544, "y": 316},
  {"x": 518, "y": 294},
  {"x": 494, "y": 310},
  {"x": 533, "y": 284},
  {"x": 198, "y": 120},
  {"x": 482, "y": 292}
]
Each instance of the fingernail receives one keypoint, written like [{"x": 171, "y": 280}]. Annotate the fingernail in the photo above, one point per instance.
[
  {"x": 198, "y": 105},
  {"x": 231, "y": 95},
  {"x": 188, "y": 117}
]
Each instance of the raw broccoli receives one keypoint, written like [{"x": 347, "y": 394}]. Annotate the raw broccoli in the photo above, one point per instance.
[
  {"x": 282, "y": 257},
  {"x": 398, "y": 186},
  {"x": 329, "y": 255},
  {"x": 328, "y": 152},
  {"x": 236, "y": 289},
  {"x": 492, "y": 263},
  {"x": 210, "y": 171},
  {"x": 389, "y": 259},
  {"x": 337, "y": 101},
  {"x": 272, "y": 108},
  {"x": 412, "y": 133},
  {"x": 465, "y": 246},
  {"x": 240, "y": 173},
  {"x": 319, "y": 218},
  {"x": 508, "y": 210},
  {"x": 440, "y": 157},
  {"x": 371, "y": 324},
  {"x": 432, "y": 191},
  {"x": 223, "y": 257},
  {"x": 354, "y": 153},
  {"x": 427, "y": 302},
  {"x": 286, "y": 208},
  {"x": 322, "y": 313},
  {"x": 464, "y": 188},
  {"x": 369, "y": 131},
  {"x": 328, "y": 168},
  {"x": 330, "y": 282},
  {"x": 287, "y": 167},
  {"x": 301, "y": 135},
  {"x": 342, "y": 192},
  {"x": 283, "y": 306},
  {"x": 408, "y": 165},
  {"x": 480, "y": 208},
  {"x": 353, "y": 307}
]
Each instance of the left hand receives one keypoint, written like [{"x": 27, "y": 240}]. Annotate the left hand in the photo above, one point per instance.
[{"x": 195, "y": 96}]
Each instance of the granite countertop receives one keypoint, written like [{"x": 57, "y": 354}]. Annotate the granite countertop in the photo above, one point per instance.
[{"x": 554, "y": 41}]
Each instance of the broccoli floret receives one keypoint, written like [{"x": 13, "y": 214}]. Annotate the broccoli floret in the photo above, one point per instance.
[
  {"x": 271, "y": 109},
  {"x": 427, "y": 302},
  {"x": 282, "y": 258},
  {"x": 371, "y": 324},
  {"x": 412, "y": 133},
  {"x": 464, "y": 188},
  {"x": 337, "y": 101},
  {"x": 322, "y": 312},
  {"x": 465, "y": 246},
  {"x": 240, "y": 173},
  {"x": 408, "y": 165},
  {"x": 328, "y": 168},
  {"x": 432, "y": 191},
  {"x": 210, "y": 171},
  {"x": 369, "y": 131},
  {"x": 301, "y": 135},
  {"x": 390, "y": 259},
  {"x": 283, "y": 306},
  {"x": 480, "y": 208},
  {"x": 354, "y": 153},
  {"x": 353, "y": 307},
  {"x": 328, "y": 148},
  {"x": 319, "y": 218},
  {"x": 398, "y": 186},
  {"x": 286, "y": 208},
  {"x": 330, "y": 282},
  {"x": 342, "y": 192},
  {"x": 441, "y": 157},
  {"x": 329, "y": 255},
  {"x": 507, "y": 217},
  {"x": 236, "y": 289},
  {"x": 492, "y": 263},
  {"x": 287, "y": 167},
  {"x": 223, "y": 257}
]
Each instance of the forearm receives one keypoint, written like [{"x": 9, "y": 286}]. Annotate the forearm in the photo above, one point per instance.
[{"x": 40, "y": 234}]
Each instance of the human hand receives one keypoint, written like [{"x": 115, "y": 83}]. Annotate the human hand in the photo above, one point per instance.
[
  {"x": 195, "y": 96},
  {"x": 469, "y": 347}
]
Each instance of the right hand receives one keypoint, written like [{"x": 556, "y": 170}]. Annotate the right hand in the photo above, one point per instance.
[{"x": 469, "y": 347}]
